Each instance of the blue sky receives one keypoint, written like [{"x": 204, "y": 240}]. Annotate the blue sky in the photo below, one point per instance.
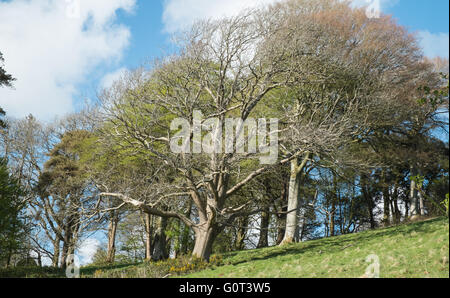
[
  {"x": 429, "y": 15},
  {"x": 149, "y": 37},
  {"x": 62, "y": 52}
]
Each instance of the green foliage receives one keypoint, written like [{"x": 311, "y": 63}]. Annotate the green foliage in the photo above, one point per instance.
[
  {"x": 32, "y": 272},
  {"x": 445, "y": 203},
  {"x": 419, "y": 179},
  {"x": 130, "y": 235},
  {"x": 435, "y": 97},
  {"x": 63, "y": 172},
  {"x": 5, "y": 79},
  {"x": 100, "y": 257},
  {"x": 11, "y": 206},
  {"x": 170, "y": 267}
]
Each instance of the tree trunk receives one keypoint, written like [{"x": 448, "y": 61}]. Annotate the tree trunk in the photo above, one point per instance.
[
  {"x": 112, "y": 230},
  {"x": 293, "y": 200},
  {"x": 64, "y": 254},
  {"x": 386, "y": 209},
  {"x": 370, "y": 208},
  {"x": 334, "y": 199},
  {"x": 204, "y": 238},
  {"x": 65, "y": 249},
  {"x": 395, "y": 209},
  {"x": 160, "y": 243},
  {"x": 241, "y": 233},
  {"x": 184, "y": 247},
  {"x": 39, "y": 259},
  {"x": 281, "y": 217},
  {"x": 332, "y": 221},
  {"x": 148, "y": 237},
  {"x": 369, "y": 200},
  {"x": 413, "y": 195},
  {"x": 406, "y": 209},
  {"x": 264, "y": 229},
  {"x": 8, "y": 259},
  {"x": 56, "y": 252},
  {"x": 421, "y": 203}
]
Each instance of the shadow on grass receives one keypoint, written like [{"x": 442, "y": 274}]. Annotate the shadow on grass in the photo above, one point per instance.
[
  {"x": 51, "y": 272},
  {"x": 334, "y": 244},
  {"x": 90, "y": 270},
  {"x": 32, "y": 272}
]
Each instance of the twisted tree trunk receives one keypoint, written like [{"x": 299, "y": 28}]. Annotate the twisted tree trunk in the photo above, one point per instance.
[{"x": 112, "y": 230}]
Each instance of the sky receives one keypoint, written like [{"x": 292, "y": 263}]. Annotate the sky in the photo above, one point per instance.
[{"x": 63, "y": 52}]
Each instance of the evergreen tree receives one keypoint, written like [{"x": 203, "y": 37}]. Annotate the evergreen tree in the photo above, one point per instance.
[{"x": 11, "y": 225}]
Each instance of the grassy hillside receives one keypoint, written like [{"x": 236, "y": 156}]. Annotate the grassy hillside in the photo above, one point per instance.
[{"x": 418, "y": 249}]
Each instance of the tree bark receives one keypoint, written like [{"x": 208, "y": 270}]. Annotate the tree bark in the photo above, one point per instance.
[
  {"x": 184, "y": 247},
  {"x": 386, "y": 199},
  {"x": 413, "y": 210},
  {"x": 112, "y": 230},
  {"x": 395, "y": 209},
  {"x": 334, "y": 199},
  {"x": 56, "y": 253},
  {"x": 369, "y": 201},
  {"x": 160, "y": 243},
  {"x": 66, "y": 246},
  {"x": 241, "y": 233},
  {"x": 148, "y": 237},
  {"x": 386, "y": 208},
  {"x": 281, "y": 217},
  {"x": 204, "y": 238},
  {"x": 264, "y": 229},
  {"x": 421, "y": 203},
  {"x": 331, "y": 221},
  {"x": 293, "y": 200}
]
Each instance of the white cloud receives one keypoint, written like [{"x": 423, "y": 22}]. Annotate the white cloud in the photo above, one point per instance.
[
  {"x": 51, "y": 46},
  {"x": 180, "y": 14},
  {"x": 384, "y": 4},
  {"x": 434, "y": 44},
  {"x": 87, "y": 250},
  {"x": 111, "y": 77}
]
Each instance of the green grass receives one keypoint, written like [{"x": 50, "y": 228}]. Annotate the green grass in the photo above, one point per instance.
[
  {"x": 418, "y": 249},
  {"x": 31, "y": 272}
]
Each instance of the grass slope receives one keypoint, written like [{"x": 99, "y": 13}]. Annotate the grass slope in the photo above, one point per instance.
[{"x": 419, "y": 249}]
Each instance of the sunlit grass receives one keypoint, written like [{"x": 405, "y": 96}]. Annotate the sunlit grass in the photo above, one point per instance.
[
  {"x": 419, "y": 249},
  {"x": 416, "y": 250}
]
